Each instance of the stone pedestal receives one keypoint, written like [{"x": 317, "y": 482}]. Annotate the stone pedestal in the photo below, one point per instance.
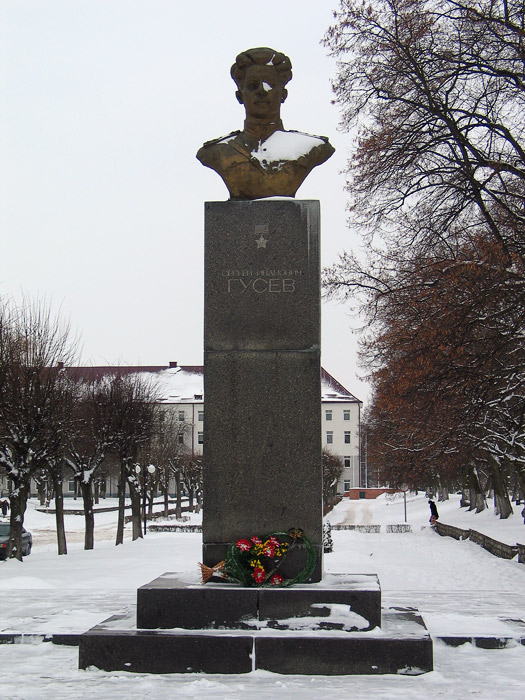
[
  {"x": 333, "y": 628},
  {"x": 262, "y": 436}
]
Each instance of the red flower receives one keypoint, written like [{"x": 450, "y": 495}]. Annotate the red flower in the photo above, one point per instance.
[
  {"x": 244, "y": 545},
  {"x": 276, "y": 580},
  {"x": 256, "y": 540},
  {"x": 273, "y": 540},
  {"x": 259, "y": 574},
  {"x": 269, "y": 550}
]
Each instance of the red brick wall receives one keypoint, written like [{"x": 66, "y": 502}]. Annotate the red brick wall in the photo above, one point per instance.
[{"x": 353, "y": 494}]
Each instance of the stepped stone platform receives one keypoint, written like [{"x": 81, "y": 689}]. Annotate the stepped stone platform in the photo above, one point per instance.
[{"x": 334, "y": 627}]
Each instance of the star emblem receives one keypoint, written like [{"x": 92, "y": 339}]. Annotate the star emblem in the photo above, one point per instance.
[{"x": 261, "y": 242}]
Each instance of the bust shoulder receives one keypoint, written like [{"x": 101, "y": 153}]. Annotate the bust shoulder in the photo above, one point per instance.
[
  {"x": 210, "y": 151},
  {"x": 296, "y": 147}
]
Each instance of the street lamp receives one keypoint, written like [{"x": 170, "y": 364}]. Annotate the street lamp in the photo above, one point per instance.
[
  {"x": 150, "y": 469},
  {"x": 404, "y": 488}
]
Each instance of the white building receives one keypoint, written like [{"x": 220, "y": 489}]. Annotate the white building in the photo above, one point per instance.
[{"x": 182, "y": 389}]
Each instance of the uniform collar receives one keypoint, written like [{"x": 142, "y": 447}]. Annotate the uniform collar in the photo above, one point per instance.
[{"x": 261, "y": 131}]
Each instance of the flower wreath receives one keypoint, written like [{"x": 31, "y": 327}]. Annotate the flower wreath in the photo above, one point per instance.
[{"x": 256, "y": 561}]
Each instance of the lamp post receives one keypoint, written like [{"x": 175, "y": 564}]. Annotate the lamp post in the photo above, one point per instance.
[
  {"x": 150, "y": 469},
  {"x": 404, "y": 488}
]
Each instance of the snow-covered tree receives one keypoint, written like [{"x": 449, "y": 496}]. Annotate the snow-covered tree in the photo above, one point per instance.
[
  {"x": 433, "y": 92},
  {"x": 35, "y": 399}
]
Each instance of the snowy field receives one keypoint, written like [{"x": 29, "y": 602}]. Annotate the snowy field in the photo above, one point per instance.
[{"x": 458, "y": 587}]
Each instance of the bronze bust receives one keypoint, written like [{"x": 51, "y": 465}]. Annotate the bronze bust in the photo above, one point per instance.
[{"x": 263, "y": 160}]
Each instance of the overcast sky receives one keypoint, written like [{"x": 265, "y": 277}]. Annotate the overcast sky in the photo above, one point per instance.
[{"x": 104, "y": 105}]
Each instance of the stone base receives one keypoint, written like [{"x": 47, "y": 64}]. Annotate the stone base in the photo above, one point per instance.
[
  {"x": 332, "y": 628},
  {"x": 169, "y": 602},
  {"x": 402, "y": 646}
]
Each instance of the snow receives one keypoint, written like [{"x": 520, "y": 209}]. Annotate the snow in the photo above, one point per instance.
[
  {"x": 176, "y": 384},
  {"x": 458, "y": 587},
  {"x": 285, "y": 145},
  {"x": 388, "y": 509}
]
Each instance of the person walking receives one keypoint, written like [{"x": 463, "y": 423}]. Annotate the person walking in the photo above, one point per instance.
[
  {"x": 4, "y": 505},
  {"x": 433, "y": 511}
]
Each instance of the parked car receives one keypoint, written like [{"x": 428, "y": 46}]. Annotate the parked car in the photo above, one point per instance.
[{"x": 5, "y": 531}]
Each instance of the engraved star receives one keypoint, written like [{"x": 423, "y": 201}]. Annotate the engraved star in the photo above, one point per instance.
[{"x": 261, "y": 242}]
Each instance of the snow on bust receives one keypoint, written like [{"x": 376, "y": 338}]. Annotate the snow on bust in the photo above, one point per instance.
[{"x": 285, "y": 145}]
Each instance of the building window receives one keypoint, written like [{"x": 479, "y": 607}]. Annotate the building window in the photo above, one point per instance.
[
  {"x": 162, "y": 416},
  {"x": 346, "y": 486},
  {"x": 347, "y": 461},
  {"x": 181, "y": 438},
  {"x": 329, "y": 437},
  {"x": 200, "y": 416},
  {"x": 182, "y": 415},
  {"x": 71, "y": 485},
  {"x": 347, "y": 437},
  {"x": 346, "y": 415},
  {"x": 328, "y": 414},
  {"x": 200, "y": 438}
]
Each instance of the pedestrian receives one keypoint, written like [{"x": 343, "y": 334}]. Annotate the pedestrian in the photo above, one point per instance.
[
  {"x": 5, "y": 507},
  {"x": 523, "y": 515},
  {"x": 433, "y": 511}
]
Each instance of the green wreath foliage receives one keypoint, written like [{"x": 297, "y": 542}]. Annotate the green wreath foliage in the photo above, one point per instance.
[{"x": 256, "y": 561}]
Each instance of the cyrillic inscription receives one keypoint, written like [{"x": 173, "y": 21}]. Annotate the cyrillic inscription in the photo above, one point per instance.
[
  {"x": 261, "y": 285},
  {"x": 278, "y": 281}
]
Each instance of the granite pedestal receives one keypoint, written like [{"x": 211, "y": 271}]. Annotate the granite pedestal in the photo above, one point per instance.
[
  {"x": 262, "y": 437},
  {"x": 327, "y": 629}
]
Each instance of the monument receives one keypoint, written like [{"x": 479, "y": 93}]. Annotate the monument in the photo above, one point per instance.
[
  {"x": 262, "y": 440},
  {"x": 262, "y": 322}
]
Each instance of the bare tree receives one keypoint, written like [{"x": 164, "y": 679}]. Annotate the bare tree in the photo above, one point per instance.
[
  {"x": 91, "y": 440},
  {"x": 167, "y": 451},
  {"x": 192, "y": 477},
  {"x": 434, "y": 92},
  {"x": 332, "y": 469},
  {"x": 34, "y": 399},
  {"x": 133, "y": 426}
]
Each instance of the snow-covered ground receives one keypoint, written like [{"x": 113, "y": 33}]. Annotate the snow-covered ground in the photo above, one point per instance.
[{"x": 458, "y": 587}]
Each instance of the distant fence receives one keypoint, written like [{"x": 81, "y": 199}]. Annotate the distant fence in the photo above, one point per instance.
[
  {"x": 403, "y": 527},
  {"x": 359, "y": 528},
  {"x": 374, "y": 529},
  {"x": 499, "y": 549},
  {"x": 174, "y": 528}
]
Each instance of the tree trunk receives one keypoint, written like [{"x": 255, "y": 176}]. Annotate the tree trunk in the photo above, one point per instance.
[
  {"x": 50, "y": 491},
  {"x": 41, "y": 490},
  {"x": 135, "y": 512},
  {"x": 178, "y": 505},
  {"x": 89, "y": 516},
  {"x": 190, "y": 499},
  {"x": 199, "y": 502},
  {"x": 121, "y": 505},
  {"x": 442, "y": 492},
  {"x": 502, "y": 505},
  {"x": 18, "y": 501},
  {"x": 59, "y": 515},
  {"x": 97, "y": 491},
  {"x": 151, "y": 498},
  {"x": 165, "y": 493},
  {"x": 477, "y": 497}
]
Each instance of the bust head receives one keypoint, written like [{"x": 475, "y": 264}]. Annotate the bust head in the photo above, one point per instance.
[{"x": 261, "y": 75}]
